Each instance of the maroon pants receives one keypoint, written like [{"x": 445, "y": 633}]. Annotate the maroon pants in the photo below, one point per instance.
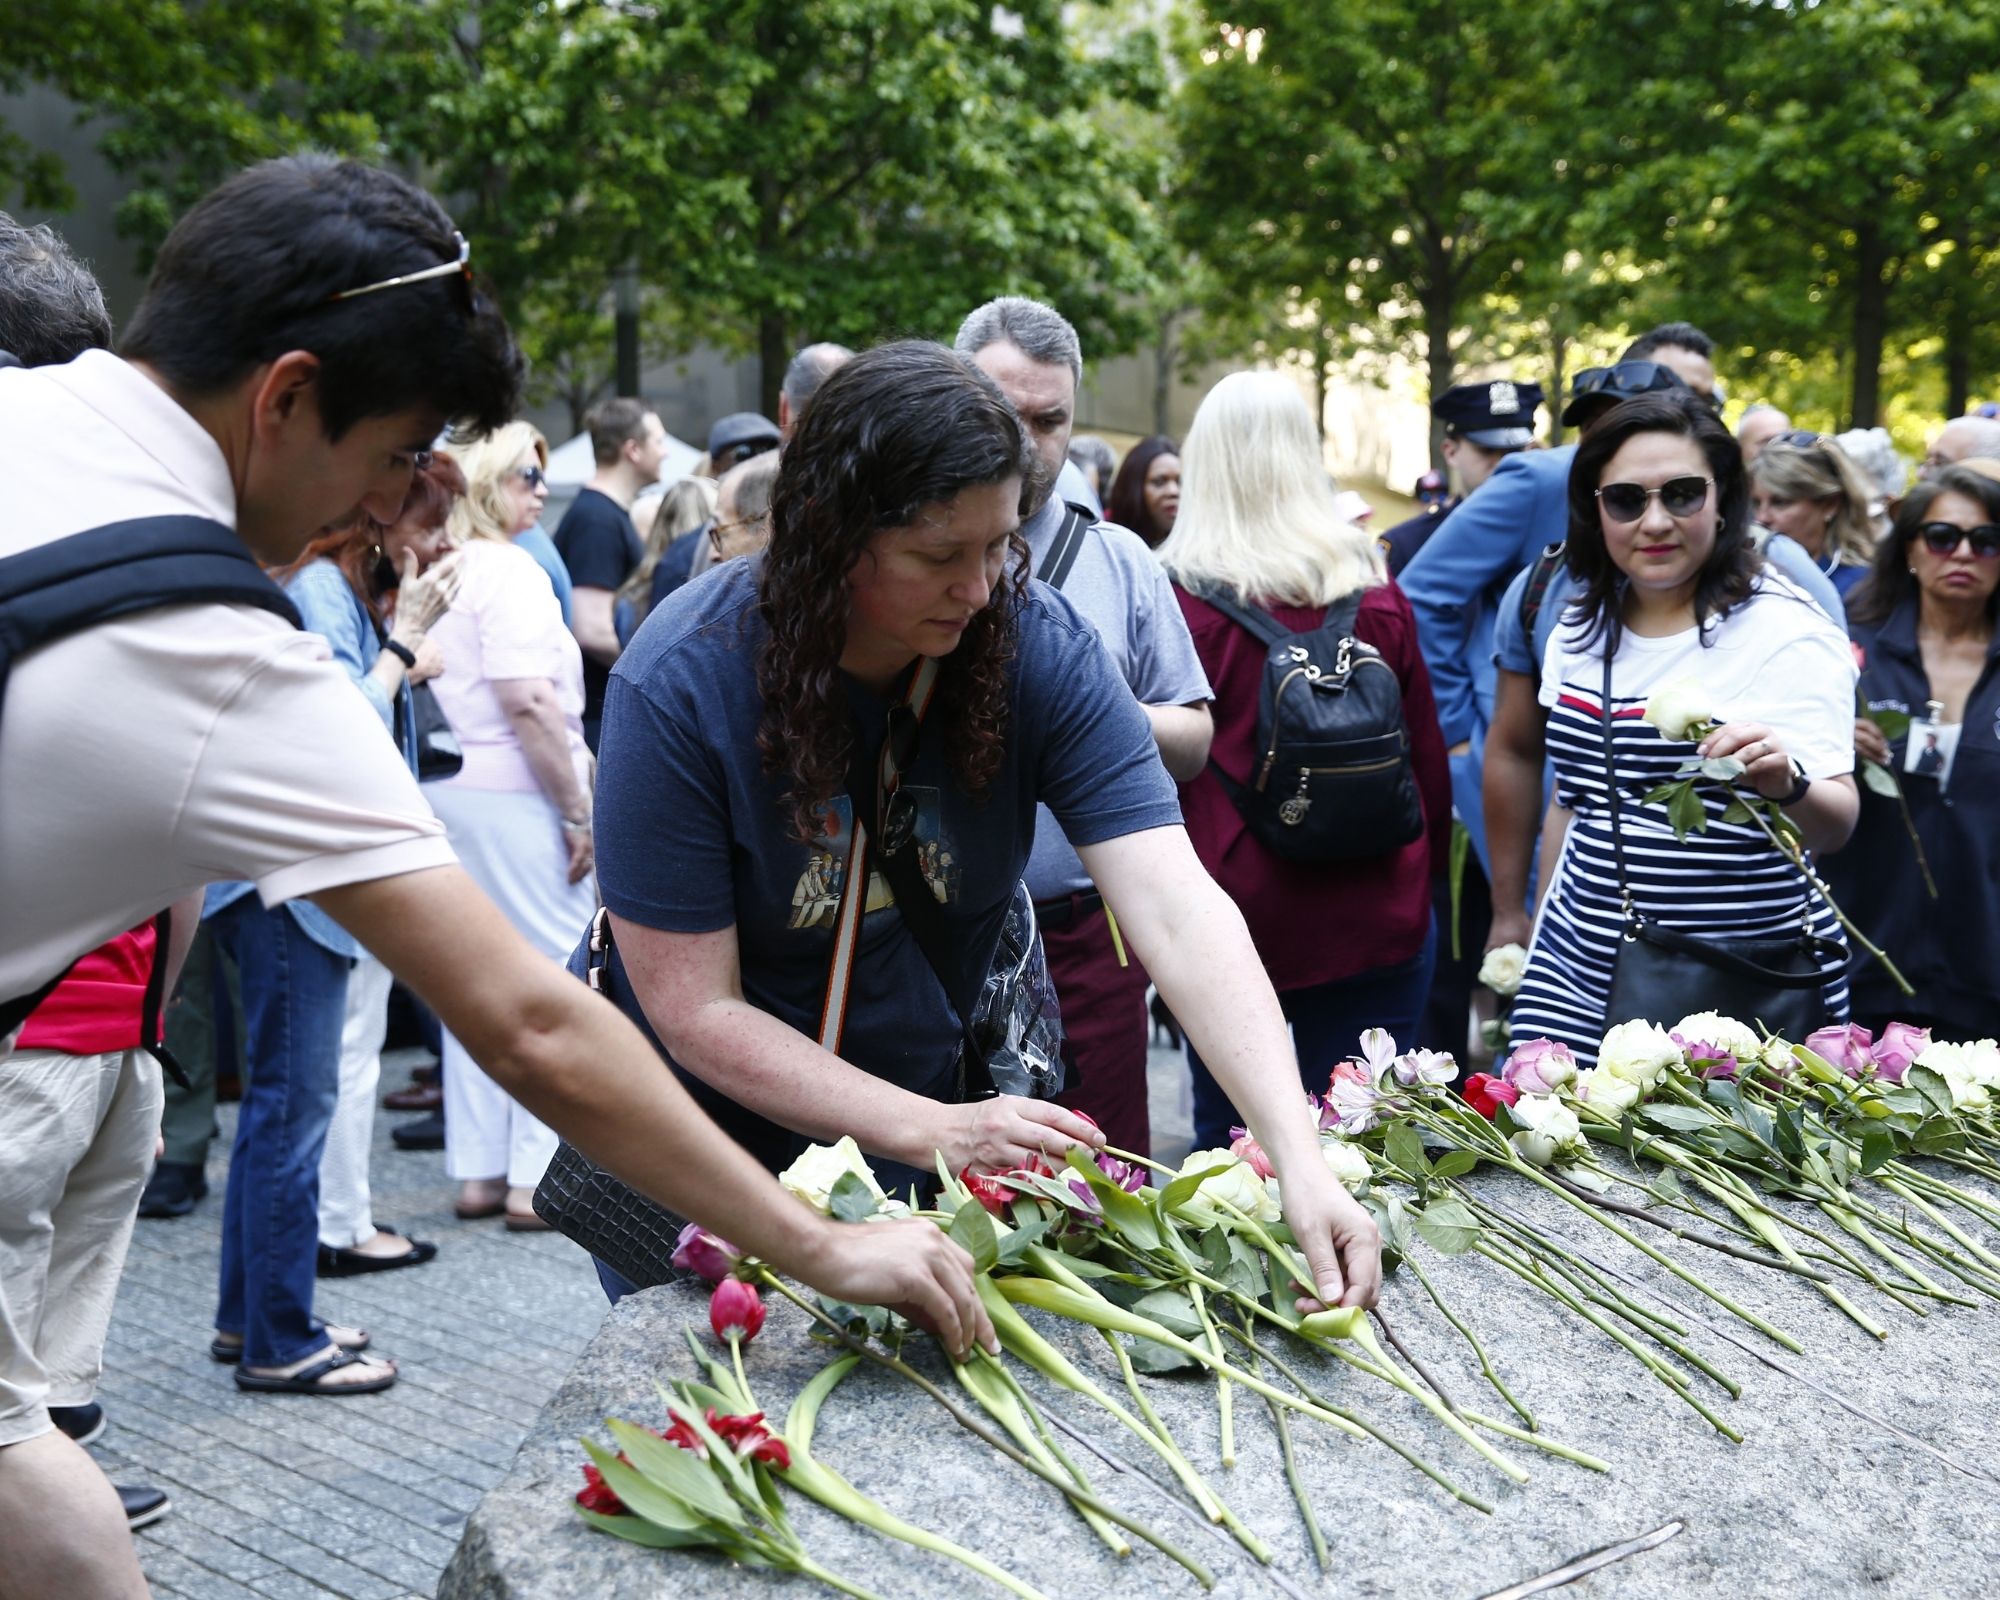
[{"x": 1105, "y": 1029}]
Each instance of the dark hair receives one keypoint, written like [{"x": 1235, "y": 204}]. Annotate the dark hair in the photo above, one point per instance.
[
  {"x": 611, "y": 424},
  {"x": 51, "y": 309},
  {"x": 1730, "y": 572},
  {"x": 1679, "y": 335},
  {"x": 354, "y": 545},
  {"x": 896, "y": 429},
  {"x": 1126, "y": 504},
  {"x": 250, "y": 273},
  {"x": 1890, "y": 582}
]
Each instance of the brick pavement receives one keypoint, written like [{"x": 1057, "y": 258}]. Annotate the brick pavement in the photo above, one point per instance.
[{"x": 279, "y": 1497}]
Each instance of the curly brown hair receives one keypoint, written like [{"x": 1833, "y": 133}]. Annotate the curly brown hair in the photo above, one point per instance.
[{"x": 898, "y": 428}]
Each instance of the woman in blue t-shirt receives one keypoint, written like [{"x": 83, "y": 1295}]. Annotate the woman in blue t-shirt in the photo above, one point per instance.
[{"x": 751, "y": 703}]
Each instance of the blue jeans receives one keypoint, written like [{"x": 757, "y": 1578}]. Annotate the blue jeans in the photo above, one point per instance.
[
  {"x": 615, "y": 1284},
  {"x": 1327, "y": 1023},
  {"x": 294, "y": 1001}
]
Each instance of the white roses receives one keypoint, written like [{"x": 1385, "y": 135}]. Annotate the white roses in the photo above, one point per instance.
[
  {"x": 814, "y": 1174},
  {"x": 1640, "y": 1053},
  {"x": 1680, "y": 710},
  {"x": 1347, "y": 1164},
  {"x": 1548, "y": 1128},
  {"x": 1724, "y": 1033},
  {"x": 1503, "y": 969},
  {"x": 1603, "y": 1091},
  {"x": 1233, "y": 1181},
  {"x": 1970, "y": 1071}
]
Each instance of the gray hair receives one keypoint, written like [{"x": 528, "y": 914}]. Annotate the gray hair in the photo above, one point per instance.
[
  {"x": 810, "y": 368},
  {"x": 51, "y": 309},
  {"x": 1039, "y": 332},
  {"x": 1087, "y": 451},
  {"x": 1983, "y": 432}
]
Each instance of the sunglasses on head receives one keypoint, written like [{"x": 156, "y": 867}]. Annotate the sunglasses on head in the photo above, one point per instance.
[
  {"x": 1944, "y": 538},
  {"x": 1799, "y": 439},
  {"x": 460, "y": 268},
  {"x": 1627, "y": 502}
]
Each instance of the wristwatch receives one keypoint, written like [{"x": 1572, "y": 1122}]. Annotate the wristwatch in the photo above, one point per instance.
[
  {"x": 400, "y": 651},
  {"x": 1800, "y": 784}
]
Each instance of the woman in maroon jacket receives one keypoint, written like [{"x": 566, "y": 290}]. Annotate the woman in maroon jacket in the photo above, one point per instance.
[{"x": 1348, "y": 946}]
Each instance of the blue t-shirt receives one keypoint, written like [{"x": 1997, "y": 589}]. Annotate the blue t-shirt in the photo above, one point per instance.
[{"x": 693, "y": 836}]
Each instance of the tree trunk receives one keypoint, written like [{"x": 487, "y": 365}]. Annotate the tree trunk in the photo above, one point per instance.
[
  {"x": 1871, "y": 320},
  {"x": 1958, "y": 345},
  {"x": 1558, "y": 377},
  {"x": 1439, "y": 299},
  {"x": 772, "y": 358},
  {"x": 1163, "y": 375}
]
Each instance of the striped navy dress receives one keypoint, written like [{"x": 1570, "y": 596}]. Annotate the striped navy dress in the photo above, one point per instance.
[{"x": 1727, "y": 881}]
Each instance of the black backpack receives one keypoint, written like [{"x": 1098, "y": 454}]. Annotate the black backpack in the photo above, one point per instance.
[
  {"x": 74, "y": 583},
  {"x": 1332, "y": 779}
]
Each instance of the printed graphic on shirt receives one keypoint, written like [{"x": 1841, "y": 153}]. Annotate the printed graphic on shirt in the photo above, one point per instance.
[{"x": 816, "y": 896}]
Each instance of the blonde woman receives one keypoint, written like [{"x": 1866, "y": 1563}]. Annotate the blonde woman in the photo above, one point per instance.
[
  {"x": 686, "y": 507},
  {"x": 1350, "y": 945},
  {"x": 519, "y": 808},
  {"x": 1802, "y": 485}
]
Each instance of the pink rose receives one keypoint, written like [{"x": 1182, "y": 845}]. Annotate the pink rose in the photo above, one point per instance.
[
  {"x": 1845, "y": 1049},
  {"x": 1540, "y": 1066},
  {"x": 1899, "y": 1045},
  {"x": 1247, "y": 1150}
]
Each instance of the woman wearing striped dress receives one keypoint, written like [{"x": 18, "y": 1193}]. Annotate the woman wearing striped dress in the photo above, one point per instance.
[{"x": 1671, "y": 588}]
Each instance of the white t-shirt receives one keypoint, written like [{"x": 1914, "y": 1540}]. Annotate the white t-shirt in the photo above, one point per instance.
[
  {"x": 145, "y": 758},
  {"x": 1775, "y": 659}
]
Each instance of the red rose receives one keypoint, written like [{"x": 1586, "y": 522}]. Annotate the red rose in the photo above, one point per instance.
[{"x": 1486, "y": 1094}]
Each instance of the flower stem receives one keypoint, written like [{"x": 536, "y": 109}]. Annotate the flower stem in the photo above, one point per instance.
[
  {"x": 1794, "y": 851},
  {"x": 1471, "y": 1338},
  {"x": 1283, "y": 1424},
  {"x": 1539, "y": 1441},
  {"x": 986, "y": 1435},
  {"x": 1225, "y": 1407}
]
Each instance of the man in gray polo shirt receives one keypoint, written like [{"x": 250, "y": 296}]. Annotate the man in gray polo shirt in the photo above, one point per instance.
[{"x": 1109, "y": 575}]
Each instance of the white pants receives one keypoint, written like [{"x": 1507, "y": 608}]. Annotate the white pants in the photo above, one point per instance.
[
  {"x": 345, "y": 1216},
  {"x": 76, "y": 1142},
  {"x": 511, "y": 845}
]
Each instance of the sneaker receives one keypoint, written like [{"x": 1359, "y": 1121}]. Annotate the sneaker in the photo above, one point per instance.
[
  {"x": 84, "y": 1424},
  {"x": 425, "y": 1133},
  {"x": 142, "y": 1505},
  {"x": 173, "y": 1189}
]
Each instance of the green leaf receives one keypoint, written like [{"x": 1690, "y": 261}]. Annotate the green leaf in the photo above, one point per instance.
[
  {"x": 1127, "y": 1213},
  {"x": 1937, "y": 1137},
  {"x": 851, "y": 1200},
  {"x": 1181, "y": 1190},
  {"x": 1667, "y": 1186},
  {"x": 1880, "y": 779},
  {"x": 1150, "y": 1356},
  {"x": 972, "y": 1228},
  {"x": 1878, "y": 1147},
  {"x": 1454, "y": 1164},
  {"x": 1737, "y": 812},
  {"x": 1935, "y": 1091},
  {"x": 1447, "y": 1227},
  {"x": 1893, "y": 723},
  {"x": 1678, "y": 1119},
  {"x": 1404, "y": 1146},
  {"x": 1020, "y": 1240},
  {"x": 1723, "y": 769},
  {"x": 1686, "y": 812},
  {"x": 1173, "y": 1310},
  {"x": 677, "y": 1472}
]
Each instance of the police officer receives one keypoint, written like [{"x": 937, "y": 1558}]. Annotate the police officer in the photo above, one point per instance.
[{"x": 1483, "y": 423}]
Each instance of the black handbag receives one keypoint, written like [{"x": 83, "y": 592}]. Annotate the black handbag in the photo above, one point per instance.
[
  {"x": 438, "y": 752},
  {"x": 1661, "y": 974}
]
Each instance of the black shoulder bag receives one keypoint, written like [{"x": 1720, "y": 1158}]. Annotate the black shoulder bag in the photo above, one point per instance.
[{"x": 1660, "y": 975}]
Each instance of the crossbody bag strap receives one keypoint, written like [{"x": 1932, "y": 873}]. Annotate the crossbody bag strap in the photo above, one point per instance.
[
  {"x": 854, "y": 883},
  {"x": 1611, "y": 787},
  {"x": 152, "y": 1009},
  {"x": 1063, "y": 553}
]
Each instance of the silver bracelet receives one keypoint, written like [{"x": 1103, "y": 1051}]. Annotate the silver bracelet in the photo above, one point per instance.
[{"x": 570, "y": 826}]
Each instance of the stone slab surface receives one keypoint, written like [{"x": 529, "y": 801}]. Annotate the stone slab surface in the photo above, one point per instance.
[{"x": 1816, "y": 1501}]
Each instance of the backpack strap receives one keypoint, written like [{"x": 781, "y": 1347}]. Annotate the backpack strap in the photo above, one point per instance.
[
  {"x": 1063, "y": 553},
  {"x": 1540, "y": 576},
  {"x": 1257, "y": 620},
  {"x": 74, "y": 583}
]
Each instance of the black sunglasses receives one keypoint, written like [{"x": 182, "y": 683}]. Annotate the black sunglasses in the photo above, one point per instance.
[
  {"x": 533, "y": 476},
  {"x": 1944, "y": 538},
  {"x": 1627, "y": 502}
]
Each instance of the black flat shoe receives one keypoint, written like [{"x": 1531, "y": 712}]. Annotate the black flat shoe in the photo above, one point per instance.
[
  {"x": 425, "y": 1133},
  {"x": 143, "y": 1506},
  {"x": 342, "y": 1262},
  {"x": 84, "y": 1424}
]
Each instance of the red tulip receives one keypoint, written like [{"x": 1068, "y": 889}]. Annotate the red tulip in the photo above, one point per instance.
[
  {"x": 596, "y": 1495},
  {"x": 984, "y": 1187},
  {"x": 735, "y": 1311},
  {"x": 748, "y": 1436},
  {"x": 1486, "y": 1094}
]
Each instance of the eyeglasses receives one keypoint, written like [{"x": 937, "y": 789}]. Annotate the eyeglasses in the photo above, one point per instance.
[
  {"x": 717, "y": 529},
  {"x": 532, "y": 476},
  {"x": 462, "y": 268},
  {"x": 1627, "y": 502},
  {"x": 1944, "y": 538}
]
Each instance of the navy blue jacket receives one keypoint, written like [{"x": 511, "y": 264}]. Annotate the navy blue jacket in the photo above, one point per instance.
[{"x": 1949, "y": 948}]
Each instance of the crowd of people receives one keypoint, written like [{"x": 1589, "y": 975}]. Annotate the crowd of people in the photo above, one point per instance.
[{"x": 774, "y": 757}]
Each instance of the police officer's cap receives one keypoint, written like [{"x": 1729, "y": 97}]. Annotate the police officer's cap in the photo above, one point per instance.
[{"x": 1495, "y": 416}]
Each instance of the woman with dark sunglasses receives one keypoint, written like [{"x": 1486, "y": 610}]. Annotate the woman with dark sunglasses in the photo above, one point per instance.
[
  {"x": 1670, "y": 587},
  {"x": 519, "y": 807},
  {"x": 1924, "y": 634}
]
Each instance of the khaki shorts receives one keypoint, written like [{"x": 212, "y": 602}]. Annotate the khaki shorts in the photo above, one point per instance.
[{"x": 76, "y": 1142}]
